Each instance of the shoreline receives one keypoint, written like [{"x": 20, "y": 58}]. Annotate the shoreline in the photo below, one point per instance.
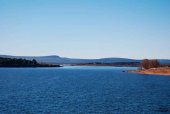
[
  {"x": 29, "y": 66},
  {"x": 165, "y": 71},
  {"x": 35, "y": 67},
  {"x": 115, "y": 64}
]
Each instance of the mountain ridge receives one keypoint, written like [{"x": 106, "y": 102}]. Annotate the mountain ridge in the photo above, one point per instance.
[{"x": 55, "y": 59}]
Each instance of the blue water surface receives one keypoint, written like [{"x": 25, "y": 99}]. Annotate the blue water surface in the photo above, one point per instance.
[{"x": 82, "y": 90}]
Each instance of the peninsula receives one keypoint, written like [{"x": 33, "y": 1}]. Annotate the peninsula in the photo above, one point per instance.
[
  {"x": 152, "y": 67},
  {"x": 157, "y": 71}
]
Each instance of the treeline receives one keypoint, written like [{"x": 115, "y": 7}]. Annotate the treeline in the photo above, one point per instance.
[
  {"x": 118, "y": 64},
  {"x": 13, "y": 62},
  {"x": 147, "y": 64}
]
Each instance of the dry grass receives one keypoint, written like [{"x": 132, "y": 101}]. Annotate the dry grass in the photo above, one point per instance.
[{"x": 159, "y": 71}]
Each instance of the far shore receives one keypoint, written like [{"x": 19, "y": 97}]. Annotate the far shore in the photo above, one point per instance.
[
  {"x": 157, "y": 71},
  {"x": 38, "y": 66},
  {"x": 22, "y": 63},
  {"x": 115, "y": 64}
]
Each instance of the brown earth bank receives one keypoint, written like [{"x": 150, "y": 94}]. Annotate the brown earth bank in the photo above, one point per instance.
[{"x": 158, "y": 71}]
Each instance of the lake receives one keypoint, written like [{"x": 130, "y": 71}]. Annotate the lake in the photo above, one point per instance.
[{"x": 82, "y": 90}]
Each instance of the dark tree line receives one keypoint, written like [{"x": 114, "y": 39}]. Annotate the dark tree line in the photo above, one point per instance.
[
  {"x": 13, "y": 62},
  {"x": 16, "y": 62},
  {"x": 146, "y": 64}
]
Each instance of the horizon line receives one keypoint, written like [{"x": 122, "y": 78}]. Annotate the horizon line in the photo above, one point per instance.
[{"x": 78, "y": 57}]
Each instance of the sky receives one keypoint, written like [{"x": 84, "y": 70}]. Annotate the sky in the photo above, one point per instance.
[{"x": 86, "y": 28}]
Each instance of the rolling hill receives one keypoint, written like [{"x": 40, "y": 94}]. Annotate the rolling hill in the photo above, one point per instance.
[{"x": 53, "y": 59}]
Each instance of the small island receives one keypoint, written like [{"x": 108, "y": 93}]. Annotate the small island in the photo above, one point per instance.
[
  {"x": 152, "y": 67},
  {"x": 13, "y": 62}
]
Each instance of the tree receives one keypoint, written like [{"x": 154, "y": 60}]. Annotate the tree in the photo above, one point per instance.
[
  {"x": 34, "y": 61},
  {"x": 146, "y": 64},
  {"x": 153, "y": 64}
]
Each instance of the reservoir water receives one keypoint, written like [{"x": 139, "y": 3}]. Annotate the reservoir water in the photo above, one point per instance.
[{"x": 82, "y": 90}]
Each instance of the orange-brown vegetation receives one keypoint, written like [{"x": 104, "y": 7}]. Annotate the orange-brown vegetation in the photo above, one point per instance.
[
  {"x": 152, "y": 67},
  {"x": 146, "y": 64},
  {"x": 158, "y": 71}
]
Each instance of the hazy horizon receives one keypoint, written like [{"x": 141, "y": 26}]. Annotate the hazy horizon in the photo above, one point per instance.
[
  {"x": 88, "y": 29},
  {"x": 83, "y": 58}
]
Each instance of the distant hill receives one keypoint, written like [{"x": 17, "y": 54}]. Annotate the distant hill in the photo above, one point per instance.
[
  {"x": 63, "y": 60},
  {"x": 164, "y": 61},
  {"x": 53, "y": 59}
]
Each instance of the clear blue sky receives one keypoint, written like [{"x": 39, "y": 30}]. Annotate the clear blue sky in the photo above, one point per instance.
[{"x": 86, "y": 28}]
